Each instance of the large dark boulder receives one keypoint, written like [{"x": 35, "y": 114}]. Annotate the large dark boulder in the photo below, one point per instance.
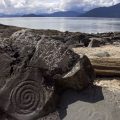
[
  {"x": 26, "y": 96},
  {"x": 81, "y": 75},
  {"x": 53, "y": 57},
  {"x": 35, "y": 71},
  {"x": 62, "y": 65}
]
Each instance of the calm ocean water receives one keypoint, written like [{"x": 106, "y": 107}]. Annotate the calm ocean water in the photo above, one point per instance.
[{"x": 88, "y": 25}]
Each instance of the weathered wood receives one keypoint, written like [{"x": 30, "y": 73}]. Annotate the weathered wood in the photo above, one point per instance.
[{"x": 106, "y": 66}]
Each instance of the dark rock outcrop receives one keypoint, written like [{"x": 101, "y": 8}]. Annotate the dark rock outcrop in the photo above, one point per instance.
[
  {"x": 94, "y": 43},
  {"x": 35, "y": 69},
  {"x": 97, "y": 42},
  {"x": 110, "y": 38},
  {"x": 77, "y": 39}
]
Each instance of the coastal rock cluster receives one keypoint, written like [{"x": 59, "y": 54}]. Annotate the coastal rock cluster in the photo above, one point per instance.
[
  {"x": 37, "y": 66},
  {"x": 35, "y": 69}
]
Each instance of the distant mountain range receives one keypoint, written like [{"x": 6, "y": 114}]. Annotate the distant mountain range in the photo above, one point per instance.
[
  {"x": 32, "y": 15},
  {"x": 108, "y": 12},
  {"x": 5, "y": 15},
  {"x": 56, "y": 14}
]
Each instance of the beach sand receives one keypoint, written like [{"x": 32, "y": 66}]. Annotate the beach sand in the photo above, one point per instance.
[
  {"x": 112, "y": 50},
  {"x": 100, "y": 102}
]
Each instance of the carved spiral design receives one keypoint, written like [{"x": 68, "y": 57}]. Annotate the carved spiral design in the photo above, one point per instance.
[{"x": 26, "y": 97}]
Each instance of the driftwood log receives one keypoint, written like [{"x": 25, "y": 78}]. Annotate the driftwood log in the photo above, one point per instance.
[{"x": 108, "y": 67}]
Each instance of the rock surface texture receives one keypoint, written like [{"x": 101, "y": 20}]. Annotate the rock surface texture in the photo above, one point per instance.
[{"x": 35, "y": 69}]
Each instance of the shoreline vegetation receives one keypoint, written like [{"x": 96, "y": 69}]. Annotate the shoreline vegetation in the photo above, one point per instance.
[{"x": 64, "y": 65}]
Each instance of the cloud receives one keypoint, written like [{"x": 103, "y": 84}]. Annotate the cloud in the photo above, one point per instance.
[
  {"x": 40, "y": 6},
  {"x": 87, "y": 4}
]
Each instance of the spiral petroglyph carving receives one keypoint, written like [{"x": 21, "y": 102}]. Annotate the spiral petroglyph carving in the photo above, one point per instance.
[{"x": 26, "y": 97}]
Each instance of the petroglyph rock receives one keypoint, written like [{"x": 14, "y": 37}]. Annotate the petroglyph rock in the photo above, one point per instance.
[{"x": 38, "y": 69}]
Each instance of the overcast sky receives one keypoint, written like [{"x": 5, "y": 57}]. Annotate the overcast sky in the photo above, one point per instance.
[{"x": 41, "y": 6}]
